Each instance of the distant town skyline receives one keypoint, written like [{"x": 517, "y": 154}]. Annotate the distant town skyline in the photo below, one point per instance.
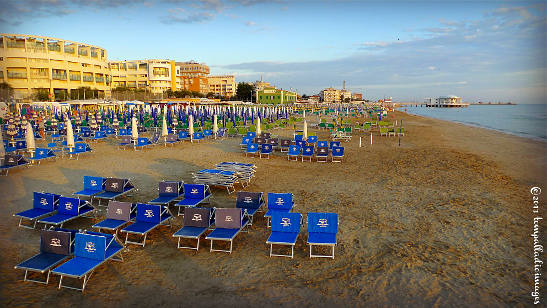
[{"x": 480, "y": 51}]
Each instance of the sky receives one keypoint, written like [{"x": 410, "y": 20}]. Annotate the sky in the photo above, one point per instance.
[{"x": 408, "y": 50}]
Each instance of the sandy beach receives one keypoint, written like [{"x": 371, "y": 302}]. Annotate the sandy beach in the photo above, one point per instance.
[{"x": 442, "y": 220}]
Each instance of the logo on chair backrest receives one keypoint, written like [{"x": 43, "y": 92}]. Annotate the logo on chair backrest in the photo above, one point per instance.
[
  {"x": 41, "y": 153},
  {"x": 252, "y": 146},
  {"x": 285, "y": 222},
  {"x": 308, "y": 150},
  {"x": 43, "y": 201},
  {"x": 93, "y": 183},
  {"x": 228, "y": 218},
  {"x": 149, "y": 213},
  {"x": 119, "y": 211},
  {"x": 168, "y": 189},
  {"x": 90, "y": 247},
  {"x": 114, "y": 185},
  {"x": 11, "y": 160},
  {"x": 55, "y": 242},
  {"x": 194, "y": 191},
  {"x": 248, "y": 200},
  {"x": 197, "y": 217},
  {"x": 323, "y": 223},
  {"x": 280, "y": 201},
  {"x": 80, "y": 147},
  {"x": 68, "y": 206}
]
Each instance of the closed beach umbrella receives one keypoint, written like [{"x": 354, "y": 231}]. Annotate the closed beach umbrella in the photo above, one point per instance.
[
  {"x": 2, "y": 150},
  {"x": 215, "y": 125},
  {"x": 258, "y": 129},
  {"x": 69, "y": 134},
  {"x": 164, "y": 131},
  {"x": 304, "y": 113},
  {"x": 305, "y": 130},
  {"x": 191, "y": 125},
  {"x": 31, "y": 145},
  {"x": 134, "y": 129}
]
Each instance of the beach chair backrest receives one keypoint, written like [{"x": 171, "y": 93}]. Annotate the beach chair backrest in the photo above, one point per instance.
[
  {"x": 142, "y": 141},
  {"x": 90, "y": 246},
  {"x": 168, "y": 188},
  {"x": 251, "y": 135},
  {"x": 228, "y": 218},
  {"x": 273, "y": 141},
  {"x": 312, "y": 139},
  {"x": 246, "y": 140},
  {"x": 286, "y": 222},
  {"x": 198, "y": 135},
  {"x": 12, "y": 160},
  {"x": 298, "y": 137},
  {"x": 300, "y": 143},
  {"x": 323, "y": 144},
  {"x": 171, "y": 138},
  {"x": 69, "y": 206},
  {"x": 308, "y": 150},
  {"x": 126, "y": 139},
  {"x": 197, "y": 217},
  {"x": 248, "y": 200},
  {"x": 55, "y": 241},
  {"x": 194, "y": 191},
  {"x": 123, "y": 132},
  {"x": 183, "y": 135},
  {"x": 323, "y": 151},
  {"x": 44, "y": 201},
  {"x": 285, "y": 142},
  {"x": 334, "y": 144},
  {"x": 266, "y": 135},
  {"x": 93, "y": 183},
  {"x": 119, "y": 210},
  {"x": 148, "y": 212},
  {"x": 337, "y": 151},
  {"x": 280, "y": 201},
  {"x": 80, "y": 147},
  {"x": 323, "y": 222},
  {"x": 252, "y": 147},
  {"x": 40, "y": 153},
  {"x": 294, "y": 150},
  {"x": 114, "y": 185},
  {"x": 259, "y": 140},
  {"x": 266, "y": 148},
  {"x": 20, "y": 145}
]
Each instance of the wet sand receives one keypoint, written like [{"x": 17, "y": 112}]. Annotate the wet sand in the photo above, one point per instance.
[{"x": 442, "y": 220}]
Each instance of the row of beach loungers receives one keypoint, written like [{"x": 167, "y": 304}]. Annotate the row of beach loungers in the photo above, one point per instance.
[{"x": 226, "y": 174}]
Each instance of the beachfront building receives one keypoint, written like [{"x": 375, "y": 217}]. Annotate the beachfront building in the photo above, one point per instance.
[
  {"x": 156, "y": 76},
  {"x": 356, "y": 96},
  {"x": 332, "y": 95},
  {"x": 275, "y": 96},
  {"x": 192, "y": 76},
  {"x": 445, "y": 101},
  {"x": 261, "y": 85},
  {"x": 31, "y": 63},
  {"x": 222, "y": 85}
]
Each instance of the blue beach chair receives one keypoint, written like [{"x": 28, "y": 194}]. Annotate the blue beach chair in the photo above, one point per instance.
[
  {"x": 196, "y": 222},
  {"x": 312, "y": 139},
  {"x": 252, "y": 148},
  {"x": 43, "y": 204},
  {"x": 280, "y": 203},
  {"x": 266, "y": 149},
  {"x": 114, "y": 188},
  {"x": 56, "y": 246},
  {"x": 250, "y": 203},
  {"x": 322, "y": 144},
  {"x": 337, "y": 154},
  {"x": 294, "y": 152},
  {"x": 198, "y": 136},
  {"x": 79, "y": 148},
  {"x": 194, "y": 194},
  {"x": 149, "y": 216},
  {"x": 251, "y": 135},
  {"x": 168, "y": 191},
  {"x": 69, "y": 209},
  {"x": 42, "y": 154},
  {"x": 117, "y": 214},
  {"x": 183, "y": 136},
  {"x": 322, "y": 230},
  {"x": 228, "y": 224},
  {"x": 91, "y": 249},
  {"x": 245, "y": 141},
  {"x": 142, "y": 142},
  {"x": 285, "y": 230},
  {"x": 207, "y": 133},
  {"x": 125, "y": 142},
  {"x": 93, "y": 185},
  {"x": 307, "y": 152}
]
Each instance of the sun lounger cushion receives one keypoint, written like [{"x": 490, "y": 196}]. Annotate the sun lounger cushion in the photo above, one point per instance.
[{"x": 322, "y": 228}]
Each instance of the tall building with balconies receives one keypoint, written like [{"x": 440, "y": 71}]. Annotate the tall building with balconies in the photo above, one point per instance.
[
  {"x": 192, "y": 76},
  {"x": 223, "y": 85},
  {"x": 157, "y": 75},
  {"x": 29, "y": 63},
  {"x": 332, "y": 95}
]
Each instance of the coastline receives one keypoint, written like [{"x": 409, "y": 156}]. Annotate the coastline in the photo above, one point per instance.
[{"x": 442, "y": 220}]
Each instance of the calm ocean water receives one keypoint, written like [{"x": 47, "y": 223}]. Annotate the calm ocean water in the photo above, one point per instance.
[{"x": 525, "y": 120}]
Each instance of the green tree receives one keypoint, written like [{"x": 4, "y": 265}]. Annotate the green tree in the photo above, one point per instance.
[
  {"x": 244, "y": 91},
  {"x": 6, "y": 91},
  {"x": 41, "y": 95}
]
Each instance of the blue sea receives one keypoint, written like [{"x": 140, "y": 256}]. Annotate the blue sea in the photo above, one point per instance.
[{"x": 525, "y": 120}]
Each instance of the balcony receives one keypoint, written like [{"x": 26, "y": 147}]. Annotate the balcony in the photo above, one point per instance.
[
  {"x": 56, "y": 48},
  {"x": 88, "y": 78},
  {"x": 17, "y": 75},
  {"x": 94, "y": 54},
  {"x": 75, "y": 77},
  {"x": 15, "y": 44},
  {"x": 69, "y": 50},
  {"x": 82, "y": 52},
  {"x": 99, "y": 79},
  {"x": 57, "y": 76}
]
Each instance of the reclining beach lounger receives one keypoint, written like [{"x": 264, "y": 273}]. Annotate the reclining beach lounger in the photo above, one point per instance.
[
  {"x": 149, "y": 216},
  {"x": 294, "y": 152},
  {"x": 266, "y": 149},
  {"x": 69, "y": 209},
  {"x": 168, "y": 192},
  {"x": 307, "y": 152},
  {"x": 228, "y": 224},
  {"x": 125, "y": 142},
  {"x": 43, "y": 204},
  {"x": 56, "y": 246},
  {"x": 79, "y": 148},
  {"x": 337, "y": 154},
  {"x": 93, "y": 185},
  {"x": 322, "y": 144},
  {"x": 171, "y": 139},
  {"x": 196, "y": 222},
  {"x": 245, "y": 141},
  {"x": 183, "y": 136},
  {"x": 322, "y": 155},
  {"x": 198, "y": 136},
  {"x": 42, "y": 154},
  {"x": 91, "y": 249},
  {"x": 194, "y": 194},
  {"x": 285, "y": 230},
  {"x": 278, "y": 202},
  {"x": 117, "y": 214},
  {"x": 142, "y": 142},
  {"x": 12, "y": 161},
  {"x": 322, "y": 230},
  {"x": 250, "y": 203},
  {"x": 114, "y": 188},
  {"x": 284, "y": 145},
  {"x": 252, "y": 148}
]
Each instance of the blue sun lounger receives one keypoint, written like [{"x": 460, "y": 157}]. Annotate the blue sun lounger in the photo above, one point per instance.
[
  {"x": 294, "y": 152},
  {"x": 196, "y": 222},
  {"x": 307, "y": 152},
  {"x": 322, "y": 230},
  {"x": 250, "y": 203},
  {"x": 93, "y": 185},
  {"x": 337, "y": 154},
  {"x": 69, "y": 209},
  {"x": 197, "y": 136},
  {"x": 169, "y": 191},
  {"x": 42, "y": 154},
  {"x": 56, "y": 246},
  {"x": 114, "y": 188},
  {"x": 285, "y": 230},
  {"x": 194, "y": 194},
  {"x": 228, "y": 224},
  {"x": 142, "y": 142},
  {"x": 43, "y": 204},
  {"x": 149, "y": 216},
  {"x": 245, "y": 141},
  {"x": 278, "y": 202},
  {"x": 117, "y": 214},
  {"x": 12, "y": 161},
  {"x": 252, "y": 148},
  {"x": 183, "y": 136},
  {"x": 91, "y": 249},
  {"x": 79, "y": 148},
  {"x": 266, "y": 149}
]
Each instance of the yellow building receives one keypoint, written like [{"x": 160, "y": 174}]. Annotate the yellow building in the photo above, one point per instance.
[
  {"x": 156, "y": 76},
  {"x": 223, "y": 85},
  {"x": 332, "y": 95},
  {"x": 192, "y": 76},
  {"x": 30, "y": 62}
]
